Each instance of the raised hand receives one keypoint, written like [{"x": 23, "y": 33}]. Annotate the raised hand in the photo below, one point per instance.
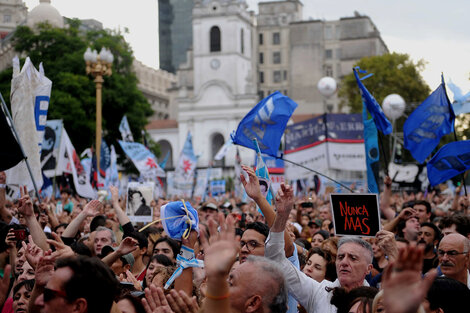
[
  {"x": 180, "y": 302},
  {"x": 10, "y": 239},
  {"x": 32, "y": 252},
  {"x": 284, "y": 199},
  {"x": 44, "y": 269},
  {"x": 114, "y": 194},
  {"x": 221, "y": 250},
  {"x": 127, "y": 245},
  {"x": 25, "y": 205},
  {"x": 92, "y": 208},
  {"x": 155, "y": 301},
  {"x": 62, "y": 250},
  {"x": 252, "y": 186},
  {"x": 406, "y": 213},
  {"x": 404, "y": 287},
  {"x": 386, "y": 241}
]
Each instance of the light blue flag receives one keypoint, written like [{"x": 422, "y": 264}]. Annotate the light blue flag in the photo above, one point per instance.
[
  {"x": 431, "y": 120},
  {"x": 163, "y": 163},
  {"x": 266, "y": 123},
  {"x": 144, "y": 160},
  {"x": 112, "y": 174},
  {"x": 461, "y": 102},
  {"x": 372, "y": 151},
  {"x": 263, "y": 174},
  {"x": 382, "y": 123},
  {"x": 451, "y": 160},
  {"x": 125, "y": 130}
]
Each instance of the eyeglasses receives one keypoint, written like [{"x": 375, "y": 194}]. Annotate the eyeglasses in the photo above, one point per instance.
[
  {"x": 450, "y": 253},
  {"x": 250, "y": 245},
  {"x": 50, "y": 294}
]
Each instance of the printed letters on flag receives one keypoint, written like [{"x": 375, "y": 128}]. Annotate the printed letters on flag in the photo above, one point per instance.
[
  {"x": 431, "y": 120},
  {"x": 125, "y": 130},
  {"x": 265, "y": 123},
  {"x": 24, "y": 92},
  {"x": 10, "y": 154},
  {"x": 451, "y": 160},
  {"x": 144, "y": 160},
  {"x": 382, "y": 123}
]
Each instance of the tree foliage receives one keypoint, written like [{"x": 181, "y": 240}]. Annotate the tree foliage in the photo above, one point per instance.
[
  {"x": 73, "y": 91},
  {"x": 393, "y": 73}
]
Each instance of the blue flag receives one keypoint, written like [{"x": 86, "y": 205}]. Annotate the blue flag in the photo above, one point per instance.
[
  {"x": 163, "y": 163},
  {"x": 431, "y": 120},
  {"x": 372, "y": 151},
  {"x": 263, "y": 175},
  {"x": 382, "y": 123},
  {"x": 451, "y": 160},
  {"x": 266, "y": 123}
]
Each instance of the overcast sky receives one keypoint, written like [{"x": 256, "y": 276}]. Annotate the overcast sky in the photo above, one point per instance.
[{"x": 425, "y": 29}]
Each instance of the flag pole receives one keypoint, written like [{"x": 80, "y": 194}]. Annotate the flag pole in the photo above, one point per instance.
[
  {"x": 455, "y": 134},
  {"x": 21, "y": 146},
  {"x": 313, "y": 171}
]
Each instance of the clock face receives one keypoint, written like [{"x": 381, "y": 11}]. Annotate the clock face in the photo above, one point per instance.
[{"x": 215, "y": 64}]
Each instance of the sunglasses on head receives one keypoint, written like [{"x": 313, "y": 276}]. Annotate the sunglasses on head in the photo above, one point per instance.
[{"x": 50, "y": 294}]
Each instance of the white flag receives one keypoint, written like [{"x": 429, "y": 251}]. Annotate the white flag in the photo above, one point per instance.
[
  {"x": 69, "y": 161},
  {"x": 28, "y": 88},
  {"x": 125, "y": 130},
  {"x": 223, "y": 150}
]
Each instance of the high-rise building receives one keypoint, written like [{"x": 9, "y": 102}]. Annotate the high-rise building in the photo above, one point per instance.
[{"x": 175, "y": 32}]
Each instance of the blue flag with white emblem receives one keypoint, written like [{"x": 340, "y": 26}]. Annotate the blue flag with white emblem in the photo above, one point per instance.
[
  {"x": 451, "y": 160},
  {"x": 431, "y": 120},
  {"x": 265, "y": 123},
  {"x": 382, "y": 123}
]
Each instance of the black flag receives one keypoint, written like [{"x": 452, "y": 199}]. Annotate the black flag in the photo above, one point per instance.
[{"x": 10, "y": 153}]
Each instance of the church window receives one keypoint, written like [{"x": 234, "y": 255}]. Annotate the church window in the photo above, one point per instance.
[
  {"x": 216, "y": 144},
  {"x": 261, "y": 94},
  {"x": 261, "y": 77},
  {"x": 277, "y": 57},
  {"x": 285, "y": 75},
  {"x": 242, "y": 40},
  {"x": 260, "y": 39},
  {"x": 276, "y": 76},
  {"x": 276, "y": 38},
  {"x": 215, "y": 39},
  {"x": 261, "y": 58},
  {"x": 328, "y": 54}
]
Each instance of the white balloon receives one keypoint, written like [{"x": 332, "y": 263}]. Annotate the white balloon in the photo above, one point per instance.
[
  {"x": 327, "y": 86},
  {"x": 393, "y": 106}
]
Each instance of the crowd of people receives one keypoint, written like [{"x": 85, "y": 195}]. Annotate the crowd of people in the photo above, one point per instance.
[{"x": 84, "y": 255}]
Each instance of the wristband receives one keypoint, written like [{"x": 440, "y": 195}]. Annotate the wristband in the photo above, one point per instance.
[{"x": 187, "y": 252}]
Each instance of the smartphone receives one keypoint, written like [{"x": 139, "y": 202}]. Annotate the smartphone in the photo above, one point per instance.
[{"x": 20, "y": 234}]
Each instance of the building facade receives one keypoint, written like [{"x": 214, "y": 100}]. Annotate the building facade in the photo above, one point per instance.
[
  {"x": 175, "y": 32},
  {"x": 12, "y": 14}
]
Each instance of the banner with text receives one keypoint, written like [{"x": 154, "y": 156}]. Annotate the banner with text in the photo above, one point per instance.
[
  {"x": 355, "y": 214},
  {"x": 333, "y": 141}
]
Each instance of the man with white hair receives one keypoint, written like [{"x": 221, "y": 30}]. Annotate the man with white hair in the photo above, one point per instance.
[
  {"x": 453, "y": 257},
  {"x": 353, "y": 262}
]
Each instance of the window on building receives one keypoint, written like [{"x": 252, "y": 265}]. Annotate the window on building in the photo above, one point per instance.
[
  {"x": 7, "y": 18},
  {"x": 276, "y": 38},
  {"x": 261, "y": 94},
  {"x": 328, "y": 70},
  {"x": 338, "y": 53},
  {"x": 260, "y": 39},
  {"x": 285, "y": 92},
  {"x": 277, "y": 57},
  {"x": 215, "y": 39},
  {"x": 284, "y": 76},
  {"x": 329, "y": 32},
  {"x": 276, "y": 76},
  {"x": 328, "y": 54},
  {"x": 261, "y": 77},
  {"x": 261, "y": 58},
  {"x": 217, "y": 143},
  {"x": 242, "y": 41}
]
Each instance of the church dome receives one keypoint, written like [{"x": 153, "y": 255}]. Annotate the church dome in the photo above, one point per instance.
[{"x": 45, "y": 12}]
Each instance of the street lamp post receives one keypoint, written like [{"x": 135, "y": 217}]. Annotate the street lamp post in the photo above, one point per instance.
[{"x": 98, "y": 65}]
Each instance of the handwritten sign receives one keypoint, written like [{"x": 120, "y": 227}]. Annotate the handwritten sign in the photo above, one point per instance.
[{"x": 355, "y": 214}]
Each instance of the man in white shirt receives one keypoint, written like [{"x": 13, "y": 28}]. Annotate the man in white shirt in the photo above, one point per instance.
[{"x": 353, "y": 263}]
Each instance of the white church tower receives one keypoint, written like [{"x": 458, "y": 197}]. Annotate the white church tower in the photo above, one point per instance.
[{"x": 224, "y": 87}]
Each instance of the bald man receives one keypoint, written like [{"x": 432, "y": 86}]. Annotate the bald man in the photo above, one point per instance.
[{"x": 453, "y": 257}]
